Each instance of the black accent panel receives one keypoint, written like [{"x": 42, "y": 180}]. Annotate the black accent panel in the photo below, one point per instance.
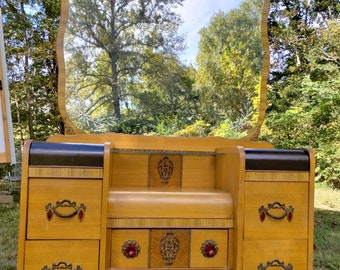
[
  {"x": 66, "y": 154},
  {"x": 281, "y": 160}
]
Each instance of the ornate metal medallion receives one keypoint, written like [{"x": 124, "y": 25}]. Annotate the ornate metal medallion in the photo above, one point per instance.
[
  {"x": 165, "y": 169},
  {"x": 130, "y": 249},
  {"x": 169, "y": 246},
  {"x": 209, "y": 248}
]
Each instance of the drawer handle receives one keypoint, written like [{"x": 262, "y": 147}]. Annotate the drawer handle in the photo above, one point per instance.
[
  {"x": 130, "y": 249},
  {"x": 62, "y": 265},
  {"x": 76, "y": 210},
  {"x": 286, "y": 211},
  {"x": 275, "y": 263},
  {"x": 209, "y": 248}
]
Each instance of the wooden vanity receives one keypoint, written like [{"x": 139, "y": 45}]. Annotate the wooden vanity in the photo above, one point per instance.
[{"x": 136, "y": 202}]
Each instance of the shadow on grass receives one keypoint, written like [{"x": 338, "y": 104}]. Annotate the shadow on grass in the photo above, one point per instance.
[{"x": 326, "y": 239}]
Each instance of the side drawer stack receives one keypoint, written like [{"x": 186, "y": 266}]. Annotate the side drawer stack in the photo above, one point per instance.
[
  {"x": 61, "y": 222},
  {"x": 278, "y": 209}
]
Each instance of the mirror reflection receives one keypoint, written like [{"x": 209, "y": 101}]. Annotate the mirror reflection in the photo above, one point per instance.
[{"x": 126, "y": 68}]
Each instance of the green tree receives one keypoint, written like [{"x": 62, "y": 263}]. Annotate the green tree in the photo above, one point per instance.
[
  {"x": 109, "y": 40},
  {"x": 230, "y": 65},
  {"x": 304, "y": 81},
  {"x": 165, "y": 92},
  {"x": 30, "y": 33}
]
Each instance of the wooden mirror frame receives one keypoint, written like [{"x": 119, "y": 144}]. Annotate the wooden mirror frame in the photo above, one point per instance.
[
  {"x": 7, "y": 148},
  {"x": 71, "y": 129}
]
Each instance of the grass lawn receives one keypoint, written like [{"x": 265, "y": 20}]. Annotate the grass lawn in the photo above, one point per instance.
[
  {"x": 327, "y": 231},
  {"x": 9, "y": 221},
  {"x": 327, "y": 228}
]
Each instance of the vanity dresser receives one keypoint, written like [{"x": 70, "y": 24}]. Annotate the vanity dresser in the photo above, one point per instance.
[
  {"x": 116, "y": 201},
  {"x": 119, "y": 201}
]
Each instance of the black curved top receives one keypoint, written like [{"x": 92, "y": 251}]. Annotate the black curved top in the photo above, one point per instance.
[
  {"x": 284, "y": 160},
  {"x": 66, "y": 154}
]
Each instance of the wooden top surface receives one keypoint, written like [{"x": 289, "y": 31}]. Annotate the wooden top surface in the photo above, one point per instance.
[{"x": 139, "y": 142}]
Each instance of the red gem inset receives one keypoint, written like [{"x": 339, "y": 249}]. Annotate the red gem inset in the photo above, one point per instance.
[
  {"x": 209, "y": 248},
  {"x": 262, "y": 216},
  {"x": 130, "y": 249},
  {"x": 210, "y": 251},
  {"x": 81, "y": 214},
  {"x": 290, "y": 216},
  {"x": 49, "y": 214}
]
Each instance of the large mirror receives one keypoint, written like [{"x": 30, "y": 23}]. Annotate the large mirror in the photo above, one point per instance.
[{"x": 129, "y": 60}]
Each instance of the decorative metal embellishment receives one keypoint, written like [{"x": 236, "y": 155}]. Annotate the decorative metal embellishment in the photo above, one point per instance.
[
  {"x": 62, "y": 265},
  {"x": 130, "y": 249},
  {"x": 275, "y": 263},
  {"x": 77, "y": 210},
  {"x": 169, "y": 246},
  {"x": 286, "y": 211},
  {"x": 165, "y": 169},
  {"x": 209, "y": 248}
]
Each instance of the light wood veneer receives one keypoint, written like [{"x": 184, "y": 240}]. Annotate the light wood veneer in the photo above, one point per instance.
[{"x": 211, "y": 203}]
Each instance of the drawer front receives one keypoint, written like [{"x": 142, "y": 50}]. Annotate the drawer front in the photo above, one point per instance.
[
  {"x": 47, "y": 255},
  {"x": 278, "y": 254},
  {"x": 64, "y": 209},
  {"x": 171, "y": 248},
  {"x": 129, "y": 249},
  {"x": 208, "y": 248},
  {"x": 276, "y": 210}
]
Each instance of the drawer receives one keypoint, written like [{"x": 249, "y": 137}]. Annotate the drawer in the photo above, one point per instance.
[
  {"x": 171, "y": 248},
  {"x": 283, "y": 214},
  {"x": 208, "y": 248},
  {"x": 270, "y": 254},
  {"x": 64, "y": 209},
  {"x": 43, "y": 254},
  {"x": 129, "y": 249}
]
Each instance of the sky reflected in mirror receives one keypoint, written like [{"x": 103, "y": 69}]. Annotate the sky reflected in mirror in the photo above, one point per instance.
[{"x": 197, "y": 14}]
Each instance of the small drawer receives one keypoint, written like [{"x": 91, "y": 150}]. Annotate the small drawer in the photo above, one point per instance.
[
  {"x": 48, "y": 255},
  {"x": 64, "y": 209},
  {"x": 270, "y": 254},
  {"x": 129, "y": 248},
  {"x": 276, "y": 210},
  {"x": 208, "y": 248}
]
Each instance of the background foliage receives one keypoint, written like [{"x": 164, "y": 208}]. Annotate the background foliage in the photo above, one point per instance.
[{"x": 304, "y": 89}]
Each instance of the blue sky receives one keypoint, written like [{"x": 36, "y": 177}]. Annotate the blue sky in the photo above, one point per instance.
[{"x": 196, "y": 14}]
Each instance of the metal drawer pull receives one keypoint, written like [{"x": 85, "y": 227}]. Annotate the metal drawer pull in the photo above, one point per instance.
[
  {"x": 209, "y": 248},
  {"x": 130, "y": 249},
  {"x": 77, "y": 210},
  {"x": 275, "y": 263},
  {"x": 286, "y": 211},
  {"x": 62, "y": 265}
]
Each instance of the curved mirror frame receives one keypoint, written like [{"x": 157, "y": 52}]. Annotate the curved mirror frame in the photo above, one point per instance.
[
  {"x": 71, "y": 129},
  {"x": 7, "y": 149}
]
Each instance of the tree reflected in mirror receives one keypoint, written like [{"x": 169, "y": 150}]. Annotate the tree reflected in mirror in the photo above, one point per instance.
[{"x": 124, "y": 69}]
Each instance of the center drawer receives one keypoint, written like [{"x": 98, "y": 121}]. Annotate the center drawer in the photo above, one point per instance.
[
  {"x": 64, "y": 209},
  {"x": 168, "y": 248}
]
